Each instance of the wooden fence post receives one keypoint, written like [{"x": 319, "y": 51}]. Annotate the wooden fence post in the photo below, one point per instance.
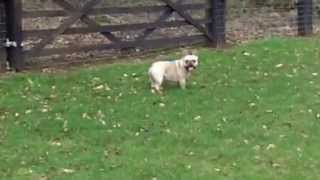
[
  {"x": 305, "y": 20},
  {"x": 3, "y": 56},
  {"x": 14, "y": 32},
  {"x": 217, "y": 26}
]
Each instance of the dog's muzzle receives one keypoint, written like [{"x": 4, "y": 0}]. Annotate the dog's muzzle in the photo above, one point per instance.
[{"x": 190, "y": 67}]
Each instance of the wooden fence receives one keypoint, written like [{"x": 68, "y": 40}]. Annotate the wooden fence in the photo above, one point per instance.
[{"x": 212, "y": 28}]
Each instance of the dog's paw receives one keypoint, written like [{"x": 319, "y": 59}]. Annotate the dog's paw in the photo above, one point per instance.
[{"x": 160, "y": 92}]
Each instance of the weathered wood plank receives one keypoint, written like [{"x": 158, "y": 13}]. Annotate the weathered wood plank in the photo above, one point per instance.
[
  {"x": 217, "y": 26},
  {"x": 305, "y": 17},
  {"x": 157, "y": 43},
  {"x": 91, "y": 23},
  {"x": 14, "y": 32},
  {"x": 2, "y": 26},
  {"x": 113, "y": 10},
  {"x": 113, "y": 28},
  {"x": 188, "y": 18},
  {"x": 165, "y": 15},
  {"x": 74, "y": 17},
  {"x": 3, "y": 53}
]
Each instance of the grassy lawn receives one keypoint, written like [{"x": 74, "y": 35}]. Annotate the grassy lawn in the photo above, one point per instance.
[{"x": 249, "y": 113}]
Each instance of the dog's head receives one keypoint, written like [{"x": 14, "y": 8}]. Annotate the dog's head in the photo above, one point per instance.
[{"x": 190, "y": 62}]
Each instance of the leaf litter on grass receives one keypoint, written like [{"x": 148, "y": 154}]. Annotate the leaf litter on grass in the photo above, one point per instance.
[{"x": 254, "y": 109}]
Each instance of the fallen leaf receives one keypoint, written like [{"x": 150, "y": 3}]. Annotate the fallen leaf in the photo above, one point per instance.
[
  {"x": 68, "y": 171},
  {"x": 270, "y": 146}
]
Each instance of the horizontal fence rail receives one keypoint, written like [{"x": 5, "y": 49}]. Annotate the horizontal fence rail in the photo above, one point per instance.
[
  {"x": 112, "y": 28},
  {"x": 113, "y": 10},
  {"x": 150, "y": 44}
]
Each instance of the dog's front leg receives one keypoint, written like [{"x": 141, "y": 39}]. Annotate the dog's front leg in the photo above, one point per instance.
[
  {"x": 157, "y": 88},
  {"x": 182, "y": 83}
]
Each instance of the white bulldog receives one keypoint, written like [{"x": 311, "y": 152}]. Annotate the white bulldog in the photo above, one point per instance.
[{"x": 173, "y": 71}]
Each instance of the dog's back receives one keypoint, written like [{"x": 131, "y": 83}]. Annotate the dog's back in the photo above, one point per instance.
[{"x": 167, "y": 70}]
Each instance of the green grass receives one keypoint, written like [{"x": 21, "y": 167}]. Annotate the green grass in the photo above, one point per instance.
[{"x": 251, "y": 112}]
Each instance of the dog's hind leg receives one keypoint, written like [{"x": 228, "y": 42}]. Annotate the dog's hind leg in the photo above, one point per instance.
[
  {"x": 155, "y": 84},
  {"x": 156, "y": 79},
  {"x": 153, "y": 87},
  {"x": 158, "y": 85}
]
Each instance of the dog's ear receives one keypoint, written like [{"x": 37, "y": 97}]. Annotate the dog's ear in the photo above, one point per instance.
[
  {"x": 186, "y": 52},
  {"x": 193, "y": 52},
  {"x": 190, "y": 52}
]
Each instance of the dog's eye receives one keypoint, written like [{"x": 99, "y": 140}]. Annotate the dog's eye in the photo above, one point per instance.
[{"x": 193, "y": 61}]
